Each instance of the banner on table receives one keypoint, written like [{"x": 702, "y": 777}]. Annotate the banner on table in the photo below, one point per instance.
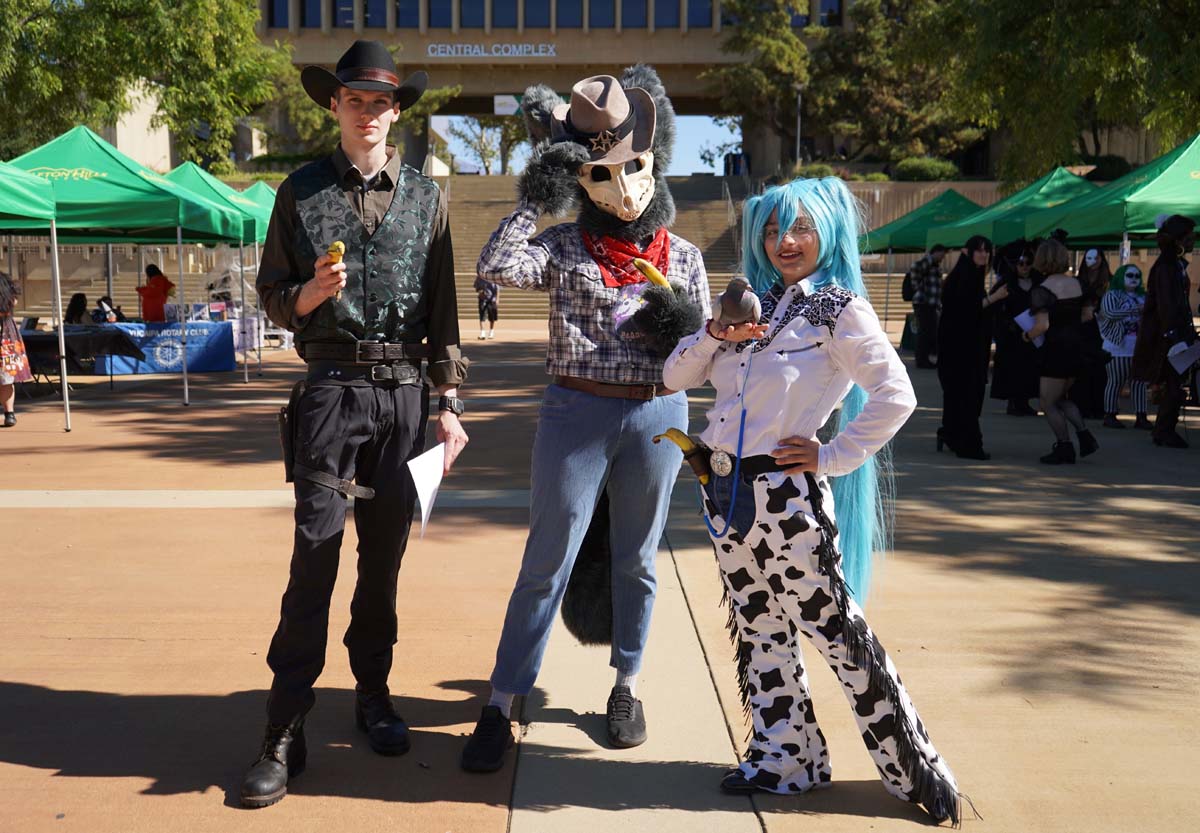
[{"x": 209, "y": 349}]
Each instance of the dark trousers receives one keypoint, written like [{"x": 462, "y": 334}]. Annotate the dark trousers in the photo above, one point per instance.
[
  {"x": 1170, "y": 402},
  {"x": 927, "y": 324},
  {"x": 962, "y": 401},
  {"x": 368, "y": 434}
]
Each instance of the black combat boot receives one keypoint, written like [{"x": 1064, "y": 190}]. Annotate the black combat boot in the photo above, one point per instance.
[
  {"x": 386, "y": 731},
  {"x": 283, "y": 756}
]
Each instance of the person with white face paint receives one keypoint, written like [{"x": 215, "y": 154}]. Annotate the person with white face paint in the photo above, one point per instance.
[
  {"x": 606, "y": 153},
  {"x": 1120, "y": 316}
]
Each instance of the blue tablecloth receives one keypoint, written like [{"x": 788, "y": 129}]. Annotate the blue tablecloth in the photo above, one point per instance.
[{"x": 209, "y": 348}]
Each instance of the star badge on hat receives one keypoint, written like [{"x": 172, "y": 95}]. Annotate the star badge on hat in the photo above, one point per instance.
[{"x": 604, "y": 142}]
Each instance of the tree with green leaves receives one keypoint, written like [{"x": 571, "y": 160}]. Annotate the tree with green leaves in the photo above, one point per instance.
[
  {"x": 482, "y": 142},
  {"x": 774, "y": 65},
  {"x": 510, "y": 135},
  {"x": 67, "y": 62},
  {"x": 872, "y": 85},
  {"x": 1048, "y": 76}
]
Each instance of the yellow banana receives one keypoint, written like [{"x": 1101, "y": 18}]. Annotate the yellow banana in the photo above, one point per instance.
[
  {"x": 335, "y": 251},
  {"x": 692, "y": 453},
  {"x": 653, "y": 275}
]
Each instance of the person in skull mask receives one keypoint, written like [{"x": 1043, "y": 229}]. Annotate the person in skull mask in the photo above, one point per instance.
[{"x": 610, "y": 331}]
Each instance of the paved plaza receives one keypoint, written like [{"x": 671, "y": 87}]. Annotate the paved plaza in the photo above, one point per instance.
[{"x": 1044, "y": 620}]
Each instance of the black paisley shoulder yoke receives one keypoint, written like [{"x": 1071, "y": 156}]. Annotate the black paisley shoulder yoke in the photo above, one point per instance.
[{"x": 821, "y": 308}]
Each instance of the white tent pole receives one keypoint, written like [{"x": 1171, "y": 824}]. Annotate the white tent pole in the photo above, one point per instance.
[
  {"x": 258, "y": 325},
  {"x": 12, "y": 263},
  {"x": 242, "y": 320},
  {"x": 887, "y": 288},
  {"x": 108, "y": 271},
  {"x": 141, "y": 271},
  {"x": 1126, "y": 254},
  {"x": 56, "y": 287},
  {"x": 183, "y": 312}
]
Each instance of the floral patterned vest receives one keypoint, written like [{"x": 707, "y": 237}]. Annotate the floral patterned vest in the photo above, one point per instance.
[{"x": 385, "y": 297}]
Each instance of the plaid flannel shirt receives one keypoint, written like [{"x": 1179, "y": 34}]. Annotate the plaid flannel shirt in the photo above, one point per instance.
[
  {"x": 927, "y": 276},
  {"x": 583, "y": 337}
]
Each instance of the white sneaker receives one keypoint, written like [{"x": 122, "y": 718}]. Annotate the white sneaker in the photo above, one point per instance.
[
  {"x": 491, "y": 335},
  {"x": 482, "y": 334}
]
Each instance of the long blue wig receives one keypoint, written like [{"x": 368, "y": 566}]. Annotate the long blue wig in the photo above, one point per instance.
[{"x": 862, "y": 498}]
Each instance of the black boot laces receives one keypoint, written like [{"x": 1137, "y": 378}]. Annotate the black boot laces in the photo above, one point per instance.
[
  {"x": 620, "y": 706},
  {"x": 275, "y": 743},
  {"x": 491, "y": 728}
]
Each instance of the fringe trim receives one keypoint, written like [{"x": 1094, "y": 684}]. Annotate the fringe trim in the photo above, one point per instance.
[
  {"x": 930, "y": 789},
  {"x": 741, "y": 651}
]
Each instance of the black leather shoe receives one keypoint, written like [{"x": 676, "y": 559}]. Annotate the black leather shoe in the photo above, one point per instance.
[
  {"x": 1169, "y": 439},
  {"x": 283, "y": 756},
  {"x": 386, "y": 731},
  {"x": 626, "y": 720},
  {"x": 1063, "y": 452},
  {"x": 10, "y": 419},
  {"x": 736, "y": 783},
  {"x": 1143, "y": 423},
  {"x": 1087, "y": 443},
  {"x": 488, "y": 744}
]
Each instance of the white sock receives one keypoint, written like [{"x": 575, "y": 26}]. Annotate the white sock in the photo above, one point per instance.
[
  {"x": 629, "y": 681},
  {"x": 503, "y": 700}
]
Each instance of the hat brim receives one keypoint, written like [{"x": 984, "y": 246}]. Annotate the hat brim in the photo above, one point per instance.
[
  {"x": 639, "y": 140},
  {"x": 322, "y": 85}
]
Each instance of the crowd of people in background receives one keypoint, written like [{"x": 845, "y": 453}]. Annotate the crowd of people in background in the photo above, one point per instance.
[{"x": 1072, "y": 339}]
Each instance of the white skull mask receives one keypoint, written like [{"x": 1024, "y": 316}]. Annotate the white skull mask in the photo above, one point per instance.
[{"x": 623, "y": 190}]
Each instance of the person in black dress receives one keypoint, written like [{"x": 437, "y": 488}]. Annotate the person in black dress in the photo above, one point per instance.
[
  {"x": 1015, "y": 375},
  {"x": 1061, "y": 305},
  {"x": 964, "y": 346},
  {"x": 1088, "y": 390}
]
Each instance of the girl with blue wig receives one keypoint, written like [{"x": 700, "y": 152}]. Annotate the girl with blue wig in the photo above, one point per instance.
[{"x": 770, "y": 506}]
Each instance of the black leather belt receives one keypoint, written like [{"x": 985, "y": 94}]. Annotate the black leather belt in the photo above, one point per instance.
[
  {"x": 400, "y": 373},
  {"x": 362, "y": 352},
  {"x": 750, "y": 467}
]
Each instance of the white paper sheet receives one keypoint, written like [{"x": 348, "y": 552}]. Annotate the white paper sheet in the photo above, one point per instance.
[
  {"x": 427, "y": 476},
  {"x": 1026, "y": 321},
  {"x": 1182, "y": 359}
]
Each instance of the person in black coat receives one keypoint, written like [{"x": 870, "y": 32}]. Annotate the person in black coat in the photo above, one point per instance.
[
  {"x": 1015, "y": 375},
  {"x": 964, "y": 346}
]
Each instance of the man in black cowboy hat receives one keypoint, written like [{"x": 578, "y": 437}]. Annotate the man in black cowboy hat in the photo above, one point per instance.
[{"x": 364, "y": 324}]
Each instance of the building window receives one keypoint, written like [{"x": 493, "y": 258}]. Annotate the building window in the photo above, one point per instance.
[
  {"x": 470, "y": 15},
  {"x": 310, "y": 14},
  {"x": 633, "y": 14},
  {"x": 831, "y": 12},
  {"x": 799, "y": 21},
  {"x": 666, "y": 14},
  {"x": 504, "y": 14},
  {"x": 537, "y": 14},
  {"x": 440, "y": 15},
  {"x": 343, "y": 14},
  {"x": 408, "y": 14},
  {"x": 277, "y": 14},
  {"x": 699, "y": 14},
  {"x": 602, "y": 14},
  {"x": 375, "y": 14},
  {"x": 570, "y": 14}
]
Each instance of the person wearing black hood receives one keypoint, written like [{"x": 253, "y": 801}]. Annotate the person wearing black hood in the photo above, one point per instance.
[
  {"x": 1166, "y": 322},
  {"x": 1015, "y": 375},
  {"x": 964, "y": 346}
]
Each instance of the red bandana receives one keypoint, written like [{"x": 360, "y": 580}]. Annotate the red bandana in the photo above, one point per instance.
[{"x": 615, "y": 257}]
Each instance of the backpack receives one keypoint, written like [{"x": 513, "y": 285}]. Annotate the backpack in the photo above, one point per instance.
[{"x": 908, "y": 289}]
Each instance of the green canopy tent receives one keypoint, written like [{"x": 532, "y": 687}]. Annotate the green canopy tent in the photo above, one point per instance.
[
  {"x": 1125, "y": 210},
  {"x": 907, "y": 234},
  {"x": 254, "y": 228},
  {"x": 25, "y": 197},
  {"x": 1004, "y": 221},
  {"x": 263, "y": 194},
  {"x": 103, "y": 196}
]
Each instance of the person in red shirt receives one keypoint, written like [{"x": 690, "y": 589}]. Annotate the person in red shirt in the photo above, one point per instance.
[{"x": 154, "y": 294}]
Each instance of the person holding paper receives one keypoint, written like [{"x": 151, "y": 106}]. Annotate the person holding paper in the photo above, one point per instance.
[
  {"x": 1166, "y": 322},
  {"x": 1015, "y": 373},
  {"x": 364, "y": 323},
  {"x": 1061, "y": 305},
  {"x": 1120, "y": 314}
]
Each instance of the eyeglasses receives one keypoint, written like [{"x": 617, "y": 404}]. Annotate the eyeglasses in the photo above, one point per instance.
[{"x": 797, "y": 230}]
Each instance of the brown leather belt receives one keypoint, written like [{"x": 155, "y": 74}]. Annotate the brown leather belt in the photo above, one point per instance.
[{"x": 613, "y": 391}]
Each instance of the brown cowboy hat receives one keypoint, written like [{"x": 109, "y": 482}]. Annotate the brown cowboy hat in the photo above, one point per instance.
[
  {"x": 613, "y": 123},
  {"x": 367, "y": 65}
]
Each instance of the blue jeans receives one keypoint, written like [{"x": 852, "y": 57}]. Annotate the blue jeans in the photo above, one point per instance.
[{"x": 583, "y": 444}]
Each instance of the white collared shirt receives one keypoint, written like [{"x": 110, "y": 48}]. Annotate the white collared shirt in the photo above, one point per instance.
[{"x": 819, "y": 343}]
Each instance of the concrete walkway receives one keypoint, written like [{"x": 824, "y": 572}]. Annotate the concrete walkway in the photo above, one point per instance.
[{"x": 1045, "y": 622}]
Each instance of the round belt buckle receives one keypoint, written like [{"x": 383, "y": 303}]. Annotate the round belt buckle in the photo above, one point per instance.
[{"x": 722, "y": 464}]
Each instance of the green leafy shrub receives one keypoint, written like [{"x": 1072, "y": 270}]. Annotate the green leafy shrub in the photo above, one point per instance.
[{"x": 924, "y": 169}]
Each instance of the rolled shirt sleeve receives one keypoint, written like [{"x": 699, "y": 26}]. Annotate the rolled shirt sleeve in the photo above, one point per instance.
[
  {"x": 862, "y": 350},
  {"x": 447, "y": 364}
]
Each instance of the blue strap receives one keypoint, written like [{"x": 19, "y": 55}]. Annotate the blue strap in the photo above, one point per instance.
[{"x": 737, "y": 466}]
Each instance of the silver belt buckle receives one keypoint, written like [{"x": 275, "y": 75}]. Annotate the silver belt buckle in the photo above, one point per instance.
[{"x": 721, "y": 464}]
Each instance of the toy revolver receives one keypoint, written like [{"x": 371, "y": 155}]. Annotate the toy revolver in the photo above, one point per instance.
[{"x": 696, "y": 454}]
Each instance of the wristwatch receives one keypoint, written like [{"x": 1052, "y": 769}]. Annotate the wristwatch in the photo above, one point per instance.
[{"x": 452, "y": 404}]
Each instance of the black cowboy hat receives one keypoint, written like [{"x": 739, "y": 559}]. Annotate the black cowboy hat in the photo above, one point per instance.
[{"x": 367, "y": 65}]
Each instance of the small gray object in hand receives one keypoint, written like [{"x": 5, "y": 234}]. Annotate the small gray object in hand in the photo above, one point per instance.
[{"x": 739, "y": 304}]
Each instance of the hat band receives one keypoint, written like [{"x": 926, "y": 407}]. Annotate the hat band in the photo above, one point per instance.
[
  {"x": 369, "y": 74},
  {"x": 615, "y": 133}
]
